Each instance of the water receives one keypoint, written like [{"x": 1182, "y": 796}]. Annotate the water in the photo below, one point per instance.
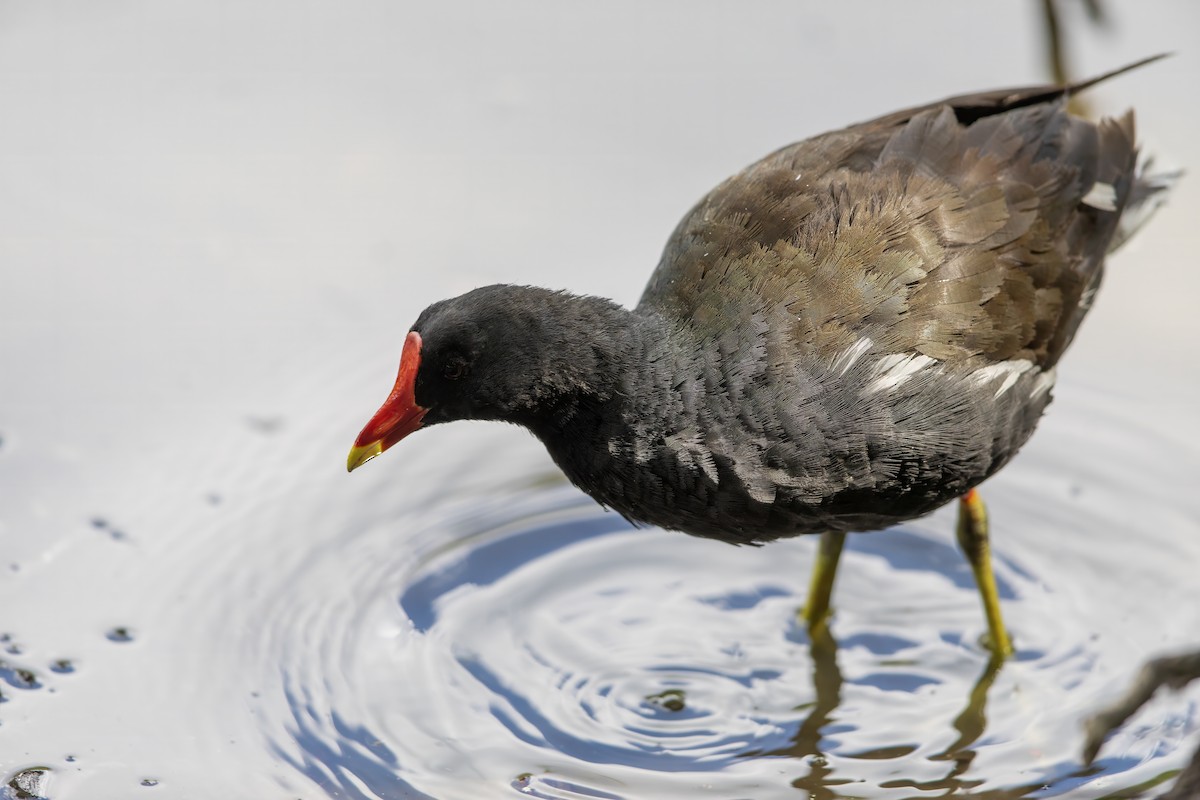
[
  {"x": 531, "y": 640},
  {"x": 449, "y": 631},
  {"x": 211, "y": 254}
]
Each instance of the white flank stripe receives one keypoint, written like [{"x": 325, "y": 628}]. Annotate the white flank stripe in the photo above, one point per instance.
[
  {"x": 1006, "y": 372},
  {"x": 845, "y": 360},
  {"x": 895, "y": 369}
]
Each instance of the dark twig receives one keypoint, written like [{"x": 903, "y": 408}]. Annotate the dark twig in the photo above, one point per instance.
[
  {"x": 1172, "y": 671},
  {"x": 1056, "y": 43}
]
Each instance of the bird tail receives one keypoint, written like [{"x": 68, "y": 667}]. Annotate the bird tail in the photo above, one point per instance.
[
  {"x": 1148, "y": 194},
  {"x": 1149, "y": 189}
]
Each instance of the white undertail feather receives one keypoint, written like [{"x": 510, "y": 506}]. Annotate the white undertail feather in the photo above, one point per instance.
[
  {"x": 1149, "y": 193},
  {"x": 1102, "y": 196}
]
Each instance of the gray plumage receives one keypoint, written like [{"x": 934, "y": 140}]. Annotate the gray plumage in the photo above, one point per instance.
[{"x": 847, "y": 334}]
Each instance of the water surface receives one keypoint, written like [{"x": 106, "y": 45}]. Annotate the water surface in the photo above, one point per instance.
[
  {"x": 218, "y": 224},
  {"x": 449, "y": 631}
]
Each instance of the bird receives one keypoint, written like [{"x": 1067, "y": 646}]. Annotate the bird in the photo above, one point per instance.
[{"x": 850, "y": 333}]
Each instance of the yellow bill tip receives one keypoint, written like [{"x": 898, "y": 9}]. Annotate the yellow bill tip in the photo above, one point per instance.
[{"x": 361, "y": 454}]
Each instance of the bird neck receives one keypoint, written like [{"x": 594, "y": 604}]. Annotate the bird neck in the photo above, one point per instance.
[
  {"x": 629, "y": 372},
  {"x": 586, "y": 360}
]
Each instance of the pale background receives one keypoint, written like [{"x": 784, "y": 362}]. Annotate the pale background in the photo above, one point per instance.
[{"x": 218, "y": 219}]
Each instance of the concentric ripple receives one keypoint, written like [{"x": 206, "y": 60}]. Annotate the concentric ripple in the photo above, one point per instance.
[
  {"x": 439, "y": 627},
  {"x": 523, "y": 640}
]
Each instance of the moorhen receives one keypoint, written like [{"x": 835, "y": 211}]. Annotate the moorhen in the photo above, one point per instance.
[{"x": 845, "y": 335}]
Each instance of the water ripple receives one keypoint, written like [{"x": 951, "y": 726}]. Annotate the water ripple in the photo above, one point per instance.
[{"x": 466, "y": 635}]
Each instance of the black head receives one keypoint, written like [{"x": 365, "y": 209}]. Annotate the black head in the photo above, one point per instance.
[
  {"x": 482, "y": 354},
  {"x": 511, "y": 353}
]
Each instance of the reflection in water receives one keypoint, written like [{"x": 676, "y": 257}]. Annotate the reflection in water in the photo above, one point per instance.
[
  {"x": 827, "y": 681},
  {"x": 509, "y": 636},
  {"x": 827, "y": 686},
  {"x": 359, "y": 766},
  {"x": 1175, "y": 671},
  {"x": 531, "y": 641},
  {"x": 194, "y": 598}
]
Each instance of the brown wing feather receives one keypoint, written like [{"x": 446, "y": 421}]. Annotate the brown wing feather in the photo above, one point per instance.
[{"x": 955, "y": 239}]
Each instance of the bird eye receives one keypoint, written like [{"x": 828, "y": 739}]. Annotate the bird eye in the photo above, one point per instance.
[{"x": 455, "y": 368}]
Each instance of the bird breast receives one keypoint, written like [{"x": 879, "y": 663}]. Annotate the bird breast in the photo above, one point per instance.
[{"x": 750, "y": 450}]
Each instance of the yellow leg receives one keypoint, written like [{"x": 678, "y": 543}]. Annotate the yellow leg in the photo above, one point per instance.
[
  {"x": 973, "y": 538},
  {"x": 816, "y": 610}
]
